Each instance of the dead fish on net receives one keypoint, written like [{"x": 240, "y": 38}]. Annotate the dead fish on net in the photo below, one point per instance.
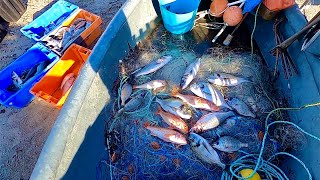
[
  {"x": 219, "y": 131},
  {"x": 190, "y": 74},
  {"x": 175, "y": 107},
  {"x": 210, "y": 121},
  {"x": 155, "y": 84},
  {"x": 223, "y": 79},
  {"x": 173, "y": 121},
  {"x": 153, "y": 66},
  {"x": 229, "y": 144},
  {"x": 134, "y": 104},
  {"x": 167, "y": 135},
  {"x": 195, "y": 101},
  {"x": 241, "y": 107},
  {"x": 125, "y": 93},
  {"x": 206, "y": 91},
  {"x": 204, "y": 151}
]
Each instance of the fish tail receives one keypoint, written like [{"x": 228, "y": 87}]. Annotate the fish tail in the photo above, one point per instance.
[
  {"x": 175, "y": 91},
  {"x": 223, "y": 166}
]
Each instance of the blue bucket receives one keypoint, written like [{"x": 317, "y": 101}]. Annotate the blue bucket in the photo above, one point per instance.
[{"x": 178, "y": 15}]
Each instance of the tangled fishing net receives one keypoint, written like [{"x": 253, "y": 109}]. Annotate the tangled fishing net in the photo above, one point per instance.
[{"x": 136, "y": 154}]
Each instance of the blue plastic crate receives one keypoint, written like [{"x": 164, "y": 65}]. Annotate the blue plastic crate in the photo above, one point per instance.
[
  {"x": 49, "y": 20},
  {"x": 35, "y": 55}
]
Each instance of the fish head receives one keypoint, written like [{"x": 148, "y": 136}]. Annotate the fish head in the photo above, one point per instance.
[
  {"x": 218, "y": 144},
  {"x": 194, "y": 140},
  {"x": 196, "y": 128},
  {"x": 185, "y": 81},
  {"x": 197, "y": 87}
]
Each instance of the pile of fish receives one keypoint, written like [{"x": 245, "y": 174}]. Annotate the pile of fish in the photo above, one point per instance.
[
  {"x": 189, "y": 115},
  {"x": 64, "y": 35},
  {"x": 19, "y": 80}
]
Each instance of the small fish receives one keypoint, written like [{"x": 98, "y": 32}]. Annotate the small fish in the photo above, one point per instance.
[
  {"x": 173, "y": 102},
  {"x": 241, "y": 107},
  {"x": 195, "y": 101},
  {"x": 223, "y": 79},
  {"x": 204, "y": 151},
  {"x": 168, "y": 135},
  {"x": 174, "y": 106},
  {"x": 173, "y": 121},
  {"x": 125, "y": 93},
  {"x": 155, "y": 84},
  {"x": 67, "y": 82},
  {"x": 190, "y": 74},
  {"x": 206, "y": 91},
  {"x": 229, "y": 144},
  {"x": 219, "y": 131},
  {"x": 17, "y": 81},
  {"x": 210, "y": 121},
  {"x": 134, "y": 104},
  {"x": 153, "y": 66}
]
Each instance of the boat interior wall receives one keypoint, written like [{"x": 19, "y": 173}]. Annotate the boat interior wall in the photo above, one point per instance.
[
  {"x": 300, "y": 89},
  {"x": 76, "y": 143}
]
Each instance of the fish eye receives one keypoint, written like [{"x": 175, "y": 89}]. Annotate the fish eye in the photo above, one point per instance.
[{"x": 218, "y": 75}]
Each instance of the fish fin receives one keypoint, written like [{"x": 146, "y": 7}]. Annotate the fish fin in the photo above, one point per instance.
[
  {"x": 159, "y": 110},
  {"x": 146, "y": 124},
  {"x": 175, "y": 91}
]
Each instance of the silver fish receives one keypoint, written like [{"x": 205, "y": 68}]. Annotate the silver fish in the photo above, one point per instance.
[
  {"x": 210, "y": 121},
  {"x": 153, "y": 66},
  {"x": 229, "y": 144},
  {"x": 173, "y": 102},
  {"x": 211, "y": 93},
  {"x": 125, "y": 93},
  {"x": 155, "y": 84},
  {"x": 241, "y": 107},
  {"x": 190, "y": 74},
  {"x": 221, "y": 130},
  {"x": 204, "y": 151},
  {"x": 134, "y": 104},
  {"x": 17, "y": 81},
  {"x": 173, "y": 108},
  {"x": 223, "y": 79}
]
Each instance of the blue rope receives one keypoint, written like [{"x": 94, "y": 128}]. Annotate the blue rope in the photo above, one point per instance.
[{"x": 268, "y": 168}]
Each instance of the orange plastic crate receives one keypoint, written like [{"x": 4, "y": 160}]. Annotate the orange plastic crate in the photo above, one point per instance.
[
  {"x": 89, "y": 35},
  {"x": 48, "y": 88}
]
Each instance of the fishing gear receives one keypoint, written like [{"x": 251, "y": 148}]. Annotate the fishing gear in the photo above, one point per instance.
[{"x": 287, "y": 63}]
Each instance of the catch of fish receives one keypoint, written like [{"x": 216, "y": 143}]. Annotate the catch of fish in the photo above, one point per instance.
[
  {"x": 64, "y": 35},
  {"x": 18, "y": 80},
  {"x": 210, "y": 112}
]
